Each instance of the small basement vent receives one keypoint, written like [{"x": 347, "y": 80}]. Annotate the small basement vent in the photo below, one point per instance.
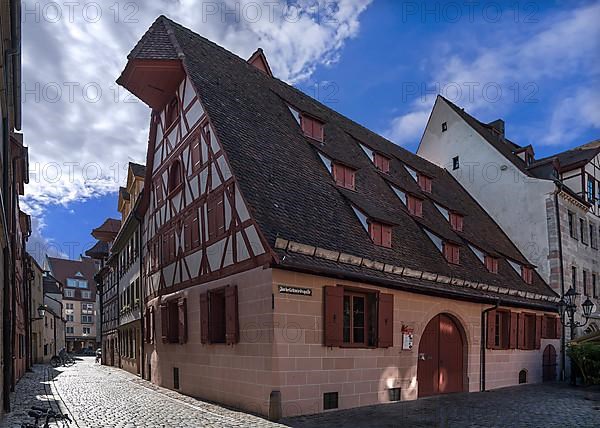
[
  {"x": 330, "y": 400},
  {"x": 523, "y": 376},
  {"x": 394, "y": 394},
  {"x": 176, "y": 377}
]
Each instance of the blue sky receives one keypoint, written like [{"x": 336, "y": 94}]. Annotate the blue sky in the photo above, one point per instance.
[{"x": 534, "y": 64}]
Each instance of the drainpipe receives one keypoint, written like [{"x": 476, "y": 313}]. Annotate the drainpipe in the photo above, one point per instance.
[
  {"x": 563, "y": 342},
  {"x": 483, "y": 345}
]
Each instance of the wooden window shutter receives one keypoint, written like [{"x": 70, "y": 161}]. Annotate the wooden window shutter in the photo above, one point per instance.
[
  {"x": 195, "y": 225},
  {"x": 558, "y": 327},
  {"x": 231, "y": 315},
  {"x": 415, "y": 206},
  {"x": 491, "y": 330},
  {"x": 182, "y": 317},
  {"x": 512, "y": 339},
  {"x": 456, "y": 221},
  {"x": 147, "y": 325},
  {"x": 424, "y": 183},
  {"x": 538, "y": 331},
  {"x": 164, "y": 322},
  {"x": 521, "y": 331},
  {"x": 334, "y": 315},
  {"x": 338, "y": 174},
  {"x": 204, "y": 317},
  {"x": 348, "y": 178},
  {"x": 386, "y": 236},
  {"x": 375, "y": 231},
  {"x": 385, "y": 324},
  {"x": 211, "y": 214},
  {"x": 545, "y": 328}
]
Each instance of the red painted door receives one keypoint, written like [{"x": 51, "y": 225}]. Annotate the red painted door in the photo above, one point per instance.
[{"x": 440, "y": 359}]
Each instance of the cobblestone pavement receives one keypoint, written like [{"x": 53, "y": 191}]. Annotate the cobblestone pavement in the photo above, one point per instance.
[
  {"x": 102, "y": 396},
  {"x": 34, "y": 389},
  {"x": 523, "y": 406}
]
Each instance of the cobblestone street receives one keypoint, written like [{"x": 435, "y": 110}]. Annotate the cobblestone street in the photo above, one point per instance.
[{"x": 101, "y": 396}]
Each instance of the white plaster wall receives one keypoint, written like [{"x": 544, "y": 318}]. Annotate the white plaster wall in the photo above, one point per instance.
[{"x": 515, "y": 201}]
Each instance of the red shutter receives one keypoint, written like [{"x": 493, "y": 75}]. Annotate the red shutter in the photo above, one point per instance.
[
  {"x": 231, "y": 315},
  {"x": 545, "y": 328},
  {"x": 456, "y": 221},
  {"x": 558, "y": 327},
  {"x": 512, "y": 341},
  {"x": 375, "y": 231},
  {"x": 164, "y": 322},
  {"x": 424, "y": 183},
  {"x": 538, "y": 331},
  {"x": 158, "y": 190},
  {"x": 415, "y": 206},
  {"x": 348, "y": 178},
  {"x": 381, "y": 162},
  {"x": 334, "y": 315},
  {"x": 312, "y": 127},
  {"x": 220, "y": 214},
  {"x": 182, "y": 324},
  {"x": 204, "y": 317},
  {"x": 386, "y": 236},
  {"x": 491, "y": 263},
  {"x": 385, "y": 324},
  {"x": 521, "y": 331},
  {"x": 491, "y": 329},
  {"x": 527, "y": 274},
  {"x": 338, "y": 174}
]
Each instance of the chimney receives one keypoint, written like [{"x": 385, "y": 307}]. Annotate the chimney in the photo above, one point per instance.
[{"x": 498, "y": 126}]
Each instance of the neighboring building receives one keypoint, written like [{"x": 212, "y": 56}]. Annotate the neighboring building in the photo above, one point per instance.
[
  {"x": 107, "y": 289},
  {"x": 54, "y": 323},
  {"x": 296, "y": 262},
  {"x": 13, "y": 174},
  {"x": 78, "y": 300},
  {"x": 549, "y": 207},
  {"x": 120, "y": 280},
  {"x": 126, "y": 254},
  {"x": 36, "y": 325}
]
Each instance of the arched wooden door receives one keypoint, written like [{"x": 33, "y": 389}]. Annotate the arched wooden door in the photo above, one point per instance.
[
  {"x": 440, "y": 360},
  {"x": 549, "y": 364}
]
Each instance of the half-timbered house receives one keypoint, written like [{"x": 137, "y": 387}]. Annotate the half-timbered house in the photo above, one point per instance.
[{"x": 296, "y": 262}]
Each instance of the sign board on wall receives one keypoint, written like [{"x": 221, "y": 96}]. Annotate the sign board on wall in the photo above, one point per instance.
[
  {"x": 298, "y": 291},
  {"x": 407, "y": 338}
]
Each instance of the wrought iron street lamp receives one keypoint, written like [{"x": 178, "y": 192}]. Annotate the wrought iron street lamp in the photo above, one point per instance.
[
  {"x": 41, "y": 310},
  {"x": 567, "y": 308}
]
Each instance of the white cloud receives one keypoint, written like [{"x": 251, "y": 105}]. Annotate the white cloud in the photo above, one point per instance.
[
  {"x": 490, "y": 73},
  {"x": 82, "y": 129}
]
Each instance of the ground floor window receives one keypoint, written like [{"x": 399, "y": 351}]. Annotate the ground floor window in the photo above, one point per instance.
[{"x": 359, "y": 319}]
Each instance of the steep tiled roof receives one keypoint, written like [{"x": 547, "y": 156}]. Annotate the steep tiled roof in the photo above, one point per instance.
[
  {"x": 61, "y": 269},
  {"x": 99, "y": 249},
  {"x": 137, "y": 169},
  {"x": 110, "y": 225},
  {"x": 572, "y": 158},
  {"x": 292, "y": 195}
]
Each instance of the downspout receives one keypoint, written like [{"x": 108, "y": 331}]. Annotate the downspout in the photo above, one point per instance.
[
  {"x": 562, "y": 281},
  {"x": 483, "y": 345}
]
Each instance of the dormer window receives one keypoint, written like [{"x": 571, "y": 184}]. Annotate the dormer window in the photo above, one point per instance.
[
  {"x": 381, "y": 234},
  {"x": 424, "y": 182},
  {"x": 312, "y": 127},
  {"x": 171, "y": 112},
  {"x": 456, "y": 221},
  {"x": 343, "y": 176},
  {"x": 414, "y": 205},
  {"x": 491, "y": 263},
  {"x": 381, "y": 162},
  {"x": 527, "y": 274},
  {"x": 451, "y": 253}
]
